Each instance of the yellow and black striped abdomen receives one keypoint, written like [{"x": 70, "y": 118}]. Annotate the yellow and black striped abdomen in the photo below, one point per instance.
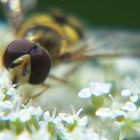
[{"x": 70, "y": 25}]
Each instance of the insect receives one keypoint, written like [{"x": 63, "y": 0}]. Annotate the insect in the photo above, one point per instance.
[{"x": 45, "y": 40}]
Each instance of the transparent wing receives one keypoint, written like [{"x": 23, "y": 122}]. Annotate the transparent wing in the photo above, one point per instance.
[{"x": 106, "y": 43}]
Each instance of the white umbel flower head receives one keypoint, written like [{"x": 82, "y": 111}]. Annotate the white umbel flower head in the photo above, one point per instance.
[{"x": 95, "y": 88}]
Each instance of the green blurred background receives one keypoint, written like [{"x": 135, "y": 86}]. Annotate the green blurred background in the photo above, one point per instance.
[{"x": 118, "y": 13}]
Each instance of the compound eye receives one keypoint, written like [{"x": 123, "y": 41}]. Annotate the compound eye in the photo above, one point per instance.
[
  {"x": 40, "y": 59},
  {"x": 40, "y": 65},
  {"x": 15, "y": 50}
]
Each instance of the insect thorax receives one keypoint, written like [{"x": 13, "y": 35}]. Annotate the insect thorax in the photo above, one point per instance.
[{"x": 51, "y": 35}]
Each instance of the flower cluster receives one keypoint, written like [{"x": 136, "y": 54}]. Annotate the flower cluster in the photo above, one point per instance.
[
  {"x": 120, "y": 113},
  {"x": 20, "y": 121},
  {"x": 96, "y": 92},
  {"x": 95, "y": 88}
]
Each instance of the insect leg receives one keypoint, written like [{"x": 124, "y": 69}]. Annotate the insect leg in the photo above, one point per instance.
[
  {"x": 72, "y": 70},
  {"x": 44, "y": 87},
  {"x": 101, "y": 54},
  {"x": 63, "y": 81}
]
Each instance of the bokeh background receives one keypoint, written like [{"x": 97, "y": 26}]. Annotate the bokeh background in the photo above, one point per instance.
[{"x": 118, "y": 13}]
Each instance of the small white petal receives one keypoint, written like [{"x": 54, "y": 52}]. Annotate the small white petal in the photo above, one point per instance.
[
  {"x": 66, "y": 118},
  {"x": 11, "y": 91},
  {"x": 24, "y": 115},
  {"x": 39, "y": 111},
  {"x": 2, "y": 114},
  {"x": 83, "y": 121},
  {"x": 106, "y": 87},
  {"x": 2, "y": 96},
  {"x": 24, "y": 136},
  {"x": 134, "y": 98},
  {"x": 85, "y": 93},
  {"x": 13, "y": 116},
  {"x": 99, "y": 88},
  {"x": 125, "y": 92},
  {"x": 98, "y": 93},
  {"x": 104, "y": 112},
  {"x": 129, "y": 106},
  {"x": 118, "y": 113},
  {"x": 6, "y": 105},
  {"x": 7, "y": 135},
  {"x": 35, "y": 111},
  {"x": 46, "y": 116}
]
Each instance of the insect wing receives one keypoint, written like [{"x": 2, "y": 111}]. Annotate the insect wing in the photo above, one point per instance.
[{"x": 106, "y": 43}]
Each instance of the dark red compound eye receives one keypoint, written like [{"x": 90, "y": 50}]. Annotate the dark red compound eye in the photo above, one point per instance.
[{"x": 40, "y": 59}]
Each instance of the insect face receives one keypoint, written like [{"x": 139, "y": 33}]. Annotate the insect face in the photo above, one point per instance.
[
  {"x": 27, "y": 62},
  {"x": 20, "y": 69}
]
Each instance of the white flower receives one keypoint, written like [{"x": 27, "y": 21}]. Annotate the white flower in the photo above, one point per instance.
[
  {"x": 35, "y": 111},
  {"x": 85, "y": 93},
  {"x": 131, "y": 89},
  {"x": 125, "y": 110},
  {"x": 7, "y": 135},
  {"x": 79, "y": 134},
  {"x": 85, "y": 134},
  {"x": 71, "y": 118},
  {"x": 24, "y": 115},
  {"x": 24, "y": 136},
  {"x": 130, "y": 107},
  {"x": 118, "y": 112},
  {"x": 100, "y": 88},
  {"x": 83, "y": 121},
  {"x": 95, "y": 88},
  {"x": 125, "y": 92},
  {"x": 66, "y": 118},
  {"x": 13, "y": 116},
  {"x": 6, "y": 105},
  {"x": 4, "y": 79},
  {"x": 134, "y": 98},
  {"x": 46, "y": 116},
  {"x": 11, "y": 91},
  {"x": 42, "y": 134},
  {"x": 104, "y": 112}
]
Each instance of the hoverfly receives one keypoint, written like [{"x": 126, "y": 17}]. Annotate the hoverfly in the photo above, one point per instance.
[{"x": 45, "y": 40}]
